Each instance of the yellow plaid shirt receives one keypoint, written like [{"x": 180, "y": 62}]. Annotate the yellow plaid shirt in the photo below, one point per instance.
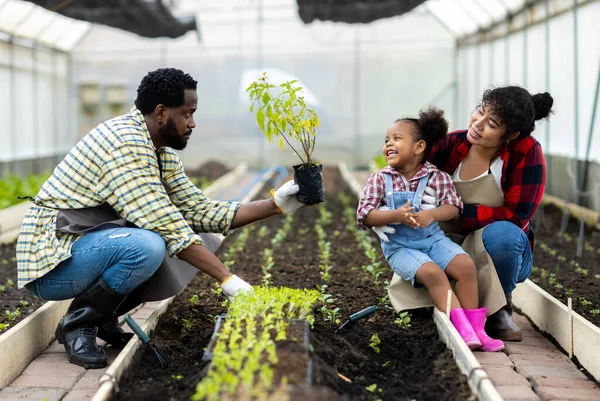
[{"x": 116, "y": 163}]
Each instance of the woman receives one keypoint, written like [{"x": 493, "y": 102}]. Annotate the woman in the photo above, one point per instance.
[{"x": 500, "y": 173}]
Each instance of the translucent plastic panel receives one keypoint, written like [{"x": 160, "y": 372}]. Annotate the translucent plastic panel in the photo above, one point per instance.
[
  {"x": 44, "y": 127},
  {"x": 13, "y": 13},
  {"x": 24, "y": 114},
  {"x": 514, "y": 5},
  {"x": 77, "y": 30},
  {"x": 496, "y": 9},
  {"x": 56, "y": 31},
  {"x": 452, "y": 16},
  {"x": 5, "y": 113},
  {"x": 35, "y": 23}
]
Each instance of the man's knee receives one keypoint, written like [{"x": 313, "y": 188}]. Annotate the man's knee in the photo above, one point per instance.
[{"x": 148, "y": 249}]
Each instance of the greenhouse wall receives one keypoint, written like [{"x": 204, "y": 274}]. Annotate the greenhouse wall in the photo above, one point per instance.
[
  {"x": 361, "y": 77},
  {"x": 35, "y": 100},
  {"x": 542, "y": 55}
]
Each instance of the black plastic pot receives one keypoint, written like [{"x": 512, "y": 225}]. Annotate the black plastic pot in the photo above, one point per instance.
[{"x": 310, "y": 181}]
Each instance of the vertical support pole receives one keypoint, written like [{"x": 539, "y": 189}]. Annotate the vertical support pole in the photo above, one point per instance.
[
  {"x": 54, "y": 105},
  {"x": 525, "y": 58},
  {"x": 449, "y": 303},
  {"x": 570, "y": 326},
  {"x": 507, "y": 53},
  {"x": 72, "y": 122},
  {"x": 576, "y": 95},
  {"x": 259, "y": 66},
  {"x": 35, "y": 109},
  {"x": 357, "y": 110},
  {"x": 547, "y": 85},
  {"x": 456, "y": 86},
  {"x": 13, "y": 107},
  {"x": 492, "y": 60},
  {"x": 477, "y": 70}
]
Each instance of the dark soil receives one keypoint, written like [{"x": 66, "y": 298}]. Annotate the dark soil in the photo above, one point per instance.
[
  {"x": 19, "y": 303},
  {"x": 412, "y": 364},
  {"x": 558, "y": 270},
  {"x": 12, "y": 298}
]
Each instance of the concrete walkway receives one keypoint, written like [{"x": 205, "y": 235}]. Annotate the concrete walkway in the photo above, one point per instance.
[
  {"x": 533, "y": 370},
  {"x": 52, "y": 377}
]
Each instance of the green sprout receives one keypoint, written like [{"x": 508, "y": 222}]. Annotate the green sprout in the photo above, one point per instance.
[
  {"x": 375, "y": 341},
  {"x": 403, "y": 321}
]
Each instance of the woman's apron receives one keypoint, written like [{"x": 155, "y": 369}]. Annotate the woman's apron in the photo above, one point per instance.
[
  {"x": 172, "y": 275},
  {"x": 480, "y": 191}
]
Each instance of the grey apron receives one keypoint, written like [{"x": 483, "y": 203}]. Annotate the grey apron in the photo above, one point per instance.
[
  {"x": 480, "y": 191},
  {"x": 172, "y": 275}
]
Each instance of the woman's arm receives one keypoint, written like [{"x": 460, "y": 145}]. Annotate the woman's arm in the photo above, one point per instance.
[
  {"x": 521, "y": 200},
  {"x": 441, "y": 153}
]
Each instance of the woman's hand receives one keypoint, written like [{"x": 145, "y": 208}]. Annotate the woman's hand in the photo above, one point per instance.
[{"x": 404, "y": 215}]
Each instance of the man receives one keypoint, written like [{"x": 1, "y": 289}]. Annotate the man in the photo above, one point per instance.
[{"x": 99, "y": 226}]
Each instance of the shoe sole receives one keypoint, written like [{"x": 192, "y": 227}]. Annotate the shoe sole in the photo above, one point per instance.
[
  {"x": 500, "y": 348},
  {"x": 88, "y": 365},
  {"x": 507, "y": 335}
]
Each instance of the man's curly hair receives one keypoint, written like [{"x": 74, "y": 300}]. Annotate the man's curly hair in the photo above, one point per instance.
[{"x": 164, "y": 86}]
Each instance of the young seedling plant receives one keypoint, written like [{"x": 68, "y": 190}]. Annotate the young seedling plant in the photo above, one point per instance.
[{"x": 282, "y": 113}]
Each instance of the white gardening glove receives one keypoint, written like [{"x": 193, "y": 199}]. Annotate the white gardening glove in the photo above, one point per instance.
[
  {"x": 429, "y": 199},
  {"x": 285, "y": 197},
  {"x": 233, "y": 285},
  {"x": 383, "y": 231}
]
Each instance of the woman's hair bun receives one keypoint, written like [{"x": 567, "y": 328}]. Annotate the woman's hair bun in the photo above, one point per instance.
[{"x": 542, "y": 103}]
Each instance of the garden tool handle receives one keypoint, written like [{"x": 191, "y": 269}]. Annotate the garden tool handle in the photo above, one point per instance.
[
  {"x": 137, "y": 329},
  {"x": 363, "y": 313}
]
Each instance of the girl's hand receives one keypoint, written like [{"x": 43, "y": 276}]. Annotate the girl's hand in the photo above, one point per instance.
[
  {"x": 424, "y": 218},
  {"x": 404, "y": 215}
]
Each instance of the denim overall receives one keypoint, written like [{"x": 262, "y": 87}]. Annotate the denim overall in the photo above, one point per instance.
[{"x": 409, "y": 248}]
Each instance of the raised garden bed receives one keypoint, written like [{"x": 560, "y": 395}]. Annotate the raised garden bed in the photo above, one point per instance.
[
  {"x": 559, "y": 271},
  {"x": 397, "y": 363}
]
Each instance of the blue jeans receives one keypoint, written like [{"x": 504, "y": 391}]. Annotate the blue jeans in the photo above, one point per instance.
[
  {"x": 124, "y": 257},
  {"x": 508, "y": 246}
]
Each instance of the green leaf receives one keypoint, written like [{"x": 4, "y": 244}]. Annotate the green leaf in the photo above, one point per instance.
[{"x": 260, "y": 119}]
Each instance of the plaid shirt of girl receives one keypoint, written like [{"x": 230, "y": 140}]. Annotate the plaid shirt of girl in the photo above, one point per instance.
[{"x": 373, "y": 195}]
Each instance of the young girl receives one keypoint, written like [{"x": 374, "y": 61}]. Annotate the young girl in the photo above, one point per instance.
[{"x": 419, "y": 251}]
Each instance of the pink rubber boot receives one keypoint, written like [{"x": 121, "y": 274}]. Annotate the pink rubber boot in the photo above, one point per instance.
[
  {"x": 464, "y": 328},
  {"x": 477, "y": 319}
]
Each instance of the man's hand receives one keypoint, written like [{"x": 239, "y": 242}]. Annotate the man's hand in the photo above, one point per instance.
[
  {"x": 429, "y": 199},
  {"x": 404, "y": 215},
  {"x": 285, "y": 197},
  {"x": 424, "y": 218},
  {"x": 234, "y": 285}
]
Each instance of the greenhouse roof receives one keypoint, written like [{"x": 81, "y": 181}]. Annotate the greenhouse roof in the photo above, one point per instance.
[{"x": 25, "y": 20}]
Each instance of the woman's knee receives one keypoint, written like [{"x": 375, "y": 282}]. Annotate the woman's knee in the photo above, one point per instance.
[{"x": 504, "y": 237}]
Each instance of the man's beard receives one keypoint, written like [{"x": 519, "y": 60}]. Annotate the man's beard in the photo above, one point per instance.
[{"x": 171, "y": 137}]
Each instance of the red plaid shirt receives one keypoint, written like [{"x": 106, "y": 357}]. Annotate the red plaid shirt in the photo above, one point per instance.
[
  {"x": 523, "y": 180},
  {"x": 374, "y": 197}
]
